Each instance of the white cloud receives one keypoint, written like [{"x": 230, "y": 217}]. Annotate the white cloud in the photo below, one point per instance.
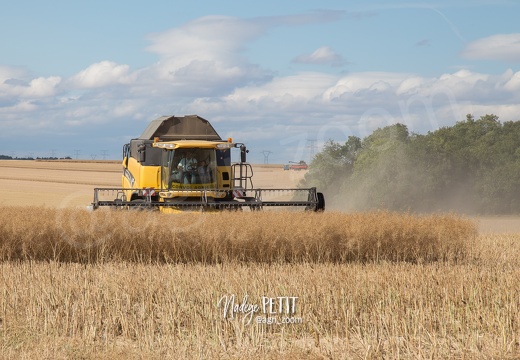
[
  {"x": 36, "y": 88},
  {"x": 363, "y": 81},
  {"x": 43, "y": 87},
  {"x": 330, "y": 107},
  {"x": 127, "y": 108},
  {"x": 460, "y": 84},
  {"x": 505, "y": 47},
  {"x": 10, "y": 72},
  {"x": 20, "y": 107},
  {"x": 206, "y": 38},
  {"x": 303, "y": 86},
  {"x": 513, "y": 83},
  {"x": 101, "y": 74},
  {"x": 410, "y": 85},
  {"x": 205, "y": 57},
  {"x": 321, "y": 56}
]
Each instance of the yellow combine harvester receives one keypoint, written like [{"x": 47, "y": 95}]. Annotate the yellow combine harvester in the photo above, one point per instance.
[{"x": 181, "y": 163}]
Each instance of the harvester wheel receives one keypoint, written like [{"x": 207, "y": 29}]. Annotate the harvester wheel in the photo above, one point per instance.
[
  {"x": 321, "y": 202},
  {"x": 140, "y": 205},
  {"x": 117, "y": 207}
]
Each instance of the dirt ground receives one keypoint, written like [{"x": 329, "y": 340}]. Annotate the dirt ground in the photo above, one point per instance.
[
  {"x": 498, "y": 224},
  {"x": 72, "y": 183}
]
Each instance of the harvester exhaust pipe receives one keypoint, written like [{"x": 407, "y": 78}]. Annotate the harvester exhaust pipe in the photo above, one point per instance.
[
  {"x": 141, "y": 149},
  {"x": 243, "y": 152}
]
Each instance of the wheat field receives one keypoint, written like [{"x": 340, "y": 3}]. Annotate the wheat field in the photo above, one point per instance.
[
  {"x": 76, "y": 235},
  {"x": 115, "y": 284}
]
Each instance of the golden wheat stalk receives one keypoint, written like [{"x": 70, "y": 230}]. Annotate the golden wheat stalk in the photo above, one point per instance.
[{"x": 73, "y": 235}]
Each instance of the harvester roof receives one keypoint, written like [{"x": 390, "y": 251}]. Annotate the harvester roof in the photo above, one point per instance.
[{"x": 172, "y": 128}]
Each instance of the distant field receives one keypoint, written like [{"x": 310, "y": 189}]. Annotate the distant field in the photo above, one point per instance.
[{"x": 72, "y": 183}]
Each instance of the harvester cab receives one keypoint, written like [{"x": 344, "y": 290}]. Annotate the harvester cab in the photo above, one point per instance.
[{"x": 181, "y": 163}]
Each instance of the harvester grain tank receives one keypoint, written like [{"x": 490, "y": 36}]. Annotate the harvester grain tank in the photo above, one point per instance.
[{"x": 182, "y": 163}]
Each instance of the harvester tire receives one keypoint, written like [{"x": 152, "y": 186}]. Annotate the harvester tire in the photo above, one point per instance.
[
  {"x": 321, "y": 202},
  {"x": 140, "y": 206},
  {"x": 116, "y": 201}
]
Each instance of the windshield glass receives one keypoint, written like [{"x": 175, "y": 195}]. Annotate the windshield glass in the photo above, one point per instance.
[{"x": 192, "y": 168}]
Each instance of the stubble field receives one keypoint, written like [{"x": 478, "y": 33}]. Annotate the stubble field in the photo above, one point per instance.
[{"x": 77, "y": 284}]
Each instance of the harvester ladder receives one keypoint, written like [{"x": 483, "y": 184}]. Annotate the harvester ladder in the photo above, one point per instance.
[{"x": 242, "y": 175}]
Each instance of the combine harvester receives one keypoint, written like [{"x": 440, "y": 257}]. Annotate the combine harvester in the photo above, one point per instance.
[{"x": 181, "y": 163}]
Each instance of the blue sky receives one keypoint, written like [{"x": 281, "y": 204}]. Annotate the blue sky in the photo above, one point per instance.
[{"x": 82, "y": 78}]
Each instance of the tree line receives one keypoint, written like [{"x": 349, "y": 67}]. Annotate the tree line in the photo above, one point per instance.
[
  {"x": 7, "y": 157},
  {"x": 472, "y": 167}
]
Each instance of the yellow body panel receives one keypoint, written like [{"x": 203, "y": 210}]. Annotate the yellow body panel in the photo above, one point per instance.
[
  {"x": 137, "y": 176},
  {"x": 224, "y": 184}
]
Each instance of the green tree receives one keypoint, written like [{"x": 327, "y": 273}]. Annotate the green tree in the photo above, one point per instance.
[
  {"x": 381, "y": 172},
  {"x": 473, "y": 166},
  {"x": 333, "y": 164}
]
